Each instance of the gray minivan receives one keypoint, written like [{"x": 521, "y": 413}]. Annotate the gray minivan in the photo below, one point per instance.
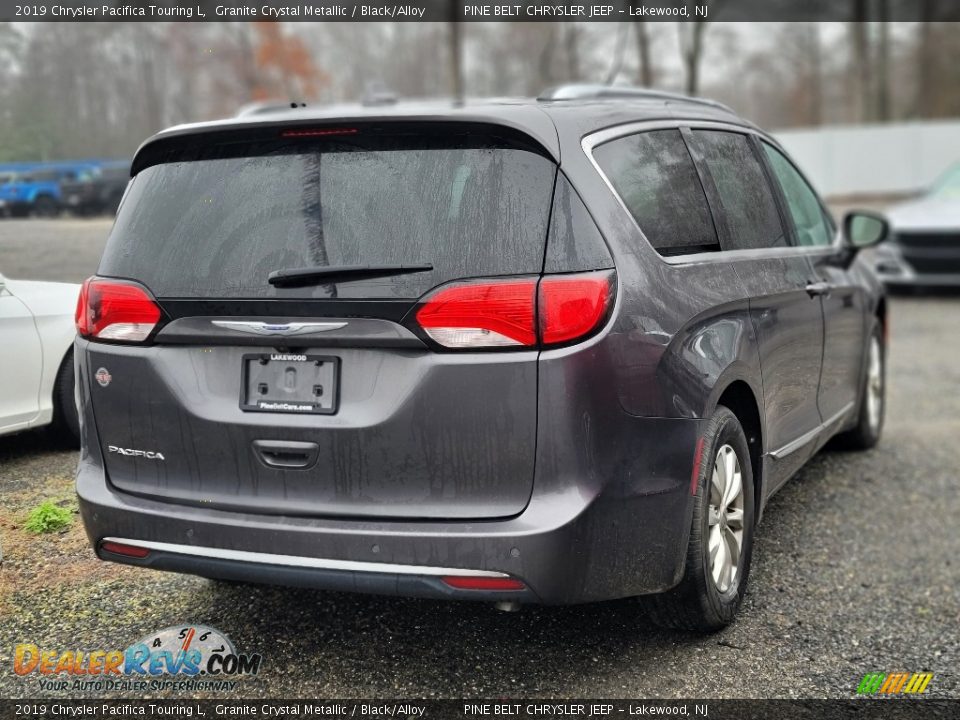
[{"x": 550, "y": 351}]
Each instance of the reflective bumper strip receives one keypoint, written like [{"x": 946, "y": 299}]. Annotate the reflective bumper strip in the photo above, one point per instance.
[{"x": 303, "y": 562}]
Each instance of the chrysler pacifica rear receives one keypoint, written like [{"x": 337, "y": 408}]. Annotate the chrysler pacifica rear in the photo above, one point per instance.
[{"x": 506, "y": 352}]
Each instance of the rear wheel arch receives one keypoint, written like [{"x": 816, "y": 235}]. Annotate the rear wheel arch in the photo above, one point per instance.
[
  {"x": 740, "y": 399},
  {"x": 702, "y": 601}
]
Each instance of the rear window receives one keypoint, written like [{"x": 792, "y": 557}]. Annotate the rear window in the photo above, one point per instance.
[{"x": 218, "y": 227}]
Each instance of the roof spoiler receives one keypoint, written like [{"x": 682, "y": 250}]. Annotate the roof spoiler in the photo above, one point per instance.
[{"x": 197, "y": 140}]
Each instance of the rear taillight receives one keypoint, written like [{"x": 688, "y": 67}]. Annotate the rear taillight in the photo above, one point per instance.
[
  {"x": 571, "y": 306},
  {"x": 482, "y": 314},
  {"x": 553, "y": 310},
  {"x": 116, "y": 310}
]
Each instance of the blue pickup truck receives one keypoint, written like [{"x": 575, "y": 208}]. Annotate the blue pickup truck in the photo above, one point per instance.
[{"x": 35, "y": 190}]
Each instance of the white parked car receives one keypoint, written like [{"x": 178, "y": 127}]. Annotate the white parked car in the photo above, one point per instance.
[
  {"x": 36, "y": 357},
  {"x": 924, "y": 246}
]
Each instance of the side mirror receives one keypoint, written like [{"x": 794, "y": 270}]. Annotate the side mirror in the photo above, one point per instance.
[{"x": 862, "y": 228}]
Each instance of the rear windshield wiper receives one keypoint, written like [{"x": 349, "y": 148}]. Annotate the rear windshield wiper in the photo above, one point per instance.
[{"x": 294, "y": 277}]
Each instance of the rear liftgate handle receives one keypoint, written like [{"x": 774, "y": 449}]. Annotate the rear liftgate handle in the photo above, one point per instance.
[{"x": 286, "y": 454}]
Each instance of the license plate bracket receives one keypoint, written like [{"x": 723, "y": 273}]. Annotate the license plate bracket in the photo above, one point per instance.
[{"x": 290, "y": 383}]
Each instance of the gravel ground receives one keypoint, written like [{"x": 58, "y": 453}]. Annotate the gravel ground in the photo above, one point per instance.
[
  {"x": 67, "y": 250},
  {"x": 856, "y": 569}
]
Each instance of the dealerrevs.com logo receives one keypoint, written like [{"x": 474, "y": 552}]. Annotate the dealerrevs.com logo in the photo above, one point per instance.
[{"x": 191, "y": 657}]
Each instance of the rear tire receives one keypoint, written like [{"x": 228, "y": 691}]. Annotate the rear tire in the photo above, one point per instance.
[
  {"x": 873, "y": 398},
  {"x": 66, "y": 420},
  {"x": 712, "y": 589}
]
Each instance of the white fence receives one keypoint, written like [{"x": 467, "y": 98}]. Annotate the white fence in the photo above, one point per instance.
[{"x": 874, "y": 159}]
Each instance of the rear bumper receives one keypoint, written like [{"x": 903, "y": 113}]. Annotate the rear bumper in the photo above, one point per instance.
[
  {"x": 575, "y": 542},
  {"x": 337, "y": 575}
]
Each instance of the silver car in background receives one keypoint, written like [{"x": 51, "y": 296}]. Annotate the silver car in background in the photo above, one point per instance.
[{"x": 924, "y": 247}]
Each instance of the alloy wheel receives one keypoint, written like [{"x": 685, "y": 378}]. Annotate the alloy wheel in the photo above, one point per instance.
[
  {"x": 726, "y": 519},
  {"x": 874, "y": 385}
]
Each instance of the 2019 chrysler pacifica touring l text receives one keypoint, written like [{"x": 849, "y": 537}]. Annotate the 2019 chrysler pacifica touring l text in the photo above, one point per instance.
[{"x": 548, "y": 351}]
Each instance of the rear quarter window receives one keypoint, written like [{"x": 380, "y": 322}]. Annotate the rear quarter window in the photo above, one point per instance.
[
  {"x": 218, "y": 227},
  {"x": 655, "y": 177},
  {"x": 575, "y": 244}
]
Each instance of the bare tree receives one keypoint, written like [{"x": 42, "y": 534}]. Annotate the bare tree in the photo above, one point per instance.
[
  {"x": 691, "y": 52},
  {"x": 572, "y": 48},
  {"x": 862, "y": 76},
  {"x": 883, "y": 61},
  {"x": 644, "y": 63},
  {"x": 816, "y": 74},
  {"x": 618, "y": 52},
  {"x": 926, "y": 60},
  {"x": 802, "y": 43},
  {"x": 456, "y": 54},
  {"x": 246, "y": 63},
  {"x": 546, "y": 62},
  {"x": 11, "y": 43},
  {"x": 127, "y": 80},
  {"x": 146, "y": 39}
]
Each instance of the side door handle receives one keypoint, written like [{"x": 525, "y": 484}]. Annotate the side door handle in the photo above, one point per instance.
[{"x": 818, "y": 288}]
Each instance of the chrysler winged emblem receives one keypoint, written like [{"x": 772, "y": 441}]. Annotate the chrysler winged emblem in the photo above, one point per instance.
[{"x": 284, "y": 329}]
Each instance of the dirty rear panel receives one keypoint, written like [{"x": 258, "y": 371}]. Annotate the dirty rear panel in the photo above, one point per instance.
[
  {"x": 376, "y": 422},
  {"x": 416, "y": 434}
]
